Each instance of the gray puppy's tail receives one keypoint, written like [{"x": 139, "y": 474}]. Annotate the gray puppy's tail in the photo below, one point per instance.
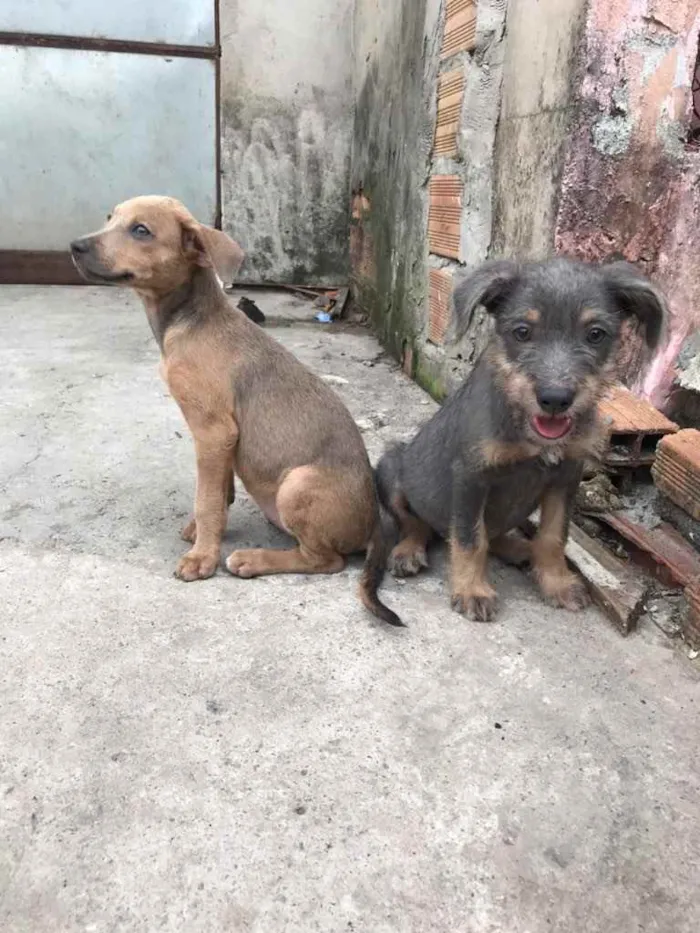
[{"x": 373, "y": 574}]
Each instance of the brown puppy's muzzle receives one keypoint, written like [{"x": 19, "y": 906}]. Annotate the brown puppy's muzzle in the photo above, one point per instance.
[{"x": 86, "y": 260}]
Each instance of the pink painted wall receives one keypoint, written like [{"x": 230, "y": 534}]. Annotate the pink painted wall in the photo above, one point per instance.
[{"x": 631, "y": 180}]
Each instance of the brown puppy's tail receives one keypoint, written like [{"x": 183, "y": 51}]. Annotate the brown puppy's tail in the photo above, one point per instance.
[{"x": 373, "y": 574}]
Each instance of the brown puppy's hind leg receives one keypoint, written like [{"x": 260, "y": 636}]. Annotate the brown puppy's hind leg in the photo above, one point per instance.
[
  {"x": 325, "y": 526},
  {"x": 411, "y": 553},
  {"x": 560, "y": 587}
]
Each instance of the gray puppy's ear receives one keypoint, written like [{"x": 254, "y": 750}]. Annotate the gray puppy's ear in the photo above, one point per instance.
[
  {"x": 490, "y": 285},
  {"x": 635, "y": 296}
]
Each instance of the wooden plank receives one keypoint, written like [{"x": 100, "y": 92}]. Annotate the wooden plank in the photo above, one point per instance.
[
  {"x": 38, "y": 267},
  {"x": 619, "y": 589},
  {"x": 663, "y": 544}
]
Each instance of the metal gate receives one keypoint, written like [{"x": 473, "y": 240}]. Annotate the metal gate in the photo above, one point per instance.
[{"x": 101, "y": 102}]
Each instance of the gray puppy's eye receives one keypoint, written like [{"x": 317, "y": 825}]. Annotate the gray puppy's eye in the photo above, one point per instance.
[
  {"x": 596, "y": 335},
  {"x": 522, "y": 332}
]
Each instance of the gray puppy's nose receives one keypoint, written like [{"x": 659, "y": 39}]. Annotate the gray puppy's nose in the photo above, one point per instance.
[{"x": 555, "y": 400}]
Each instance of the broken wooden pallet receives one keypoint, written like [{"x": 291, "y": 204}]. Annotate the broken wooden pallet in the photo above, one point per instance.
[
  {"x": 676, "y": 470},
  {"x": 619, "y": 589},
  {"x": 635, "y": 428}
]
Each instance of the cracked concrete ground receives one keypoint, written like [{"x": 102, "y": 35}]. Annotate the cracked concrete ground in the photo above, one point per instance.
[{"x": 237, "y": 755}]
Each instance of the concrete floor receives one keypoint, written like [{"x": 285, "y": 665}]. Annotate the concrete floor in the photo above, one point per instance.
[{"x": 258, "y": 755}]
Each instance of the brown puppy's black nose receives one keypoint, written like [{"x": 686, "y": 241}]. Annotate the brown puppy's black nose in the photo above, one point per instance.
[
  {"x": 79, "y": 246},
  {"x": 555, "y": 400}
]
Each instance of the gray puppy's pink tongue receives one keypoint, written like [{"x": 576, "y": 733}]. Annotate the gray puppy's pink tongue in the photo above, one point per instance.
[{"x": 551, "y": 427}]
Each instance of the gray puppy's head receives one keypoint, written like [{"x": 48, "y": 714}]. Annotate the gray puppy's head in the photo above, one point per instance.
[{"x": 557, "y": 325}]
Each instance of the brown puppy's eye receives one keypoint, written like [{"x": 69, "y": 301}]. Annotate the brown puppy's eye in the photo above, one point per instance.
[
  {"x": 140, "y": 232},
  {"x": 522, "y": 332},
  {"x": 595, "y": 336}
]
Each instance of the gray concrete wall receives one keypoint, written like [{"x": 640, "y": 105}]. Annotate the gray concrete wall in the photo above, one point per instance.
[
  {"x": 396, "y": 44},
  {"x": 537, "y": 115},
  {"x": 286, "y": 111}
]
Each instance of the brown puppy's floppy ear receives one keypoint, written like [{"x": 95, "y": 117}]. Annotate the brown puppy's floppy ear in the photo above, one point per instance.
[
  {"x": 213, "y": 248},
  {"x": 489, "y": 286},
  {"x": 635, "y": 296}
]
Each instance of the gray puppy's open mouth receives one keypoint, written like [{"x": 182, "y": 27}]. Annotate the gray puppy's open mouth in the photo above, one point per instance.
[{"x": 552, "y": 427}]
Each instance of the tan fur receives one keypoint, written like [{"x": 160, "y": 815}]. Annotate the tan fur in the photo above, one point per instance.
[
  {"x": 520, "y": 392},
  {"x": 558, "y": 584},
  {"x": 512, "y": 548},
  {"x": 411, "y": 553},
  {"x": 497, "y": 453},
  {"x": 588, "y": 315},
  {"x": 252, "y": 408},
  {"x": 471, "y": 592},
  {"x": 532, "y": 316}
]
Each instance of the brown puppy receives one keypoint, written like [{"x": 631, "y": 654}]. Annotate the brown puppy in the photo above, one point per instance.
[{"x": 253, "y": 409}]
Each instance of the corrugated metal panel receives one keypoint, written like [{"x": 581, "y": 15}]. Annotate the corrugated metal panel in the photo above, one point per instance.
[
  {"x": 84, "y": 130},
  {"x": 445, "y": 195},
  {"x": 178, "y": 22}
]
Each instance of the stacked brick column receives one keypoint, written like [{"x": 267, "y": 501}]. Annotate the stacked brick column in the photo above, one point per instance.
[{"x": 445, "y": 185}]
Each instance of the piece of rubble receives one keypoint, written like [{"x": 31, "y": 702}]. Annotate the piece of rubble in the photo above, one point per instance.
[
  {"x": 635, "y": 428},
  {"x": 665, "y": 612},
  {"x": 251, "y": 310},
  {"x": 598, "y": 494},
  {"x": 676, "y": 471},
  {"x": 619, "y": 589}
]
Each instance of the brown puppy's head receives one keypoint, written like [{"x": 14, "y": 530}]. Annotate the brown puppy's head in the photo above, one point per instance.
[
  {"x": 154, "y": 244},
  {"x": 558, "y": 323}
]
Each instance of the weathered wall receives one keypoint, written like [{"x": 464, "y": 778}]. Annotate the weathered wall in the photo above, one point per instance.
[
  {"x": 538, "y": 107},
  {"x": 286, "y": 112},
  {"x": 631, "y": 183},
  {"x": 395, "y": 45}
]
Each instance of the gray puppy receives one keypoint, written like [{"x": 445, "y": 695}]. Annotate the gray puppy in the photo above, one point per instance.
[{"x": 515, "y": 435}]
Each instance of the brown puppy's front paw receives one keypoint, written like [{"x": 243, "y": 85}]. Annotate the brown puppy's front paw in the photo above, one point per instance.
[
  {"x": 570, "y": 593},
  {"x": 194, "y": 566},
  {"x": 189, "y": 532},
  {"x": 407, "y": 559},
  {"x": 479, "y": 605},
  {"x": 244, "y": 563}
]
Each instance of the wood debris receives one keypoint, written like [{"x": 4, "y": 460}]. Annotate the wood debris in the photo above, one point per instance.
[
  {"x": 619, "y": 589},
  {"x": 673, "y": 560}
]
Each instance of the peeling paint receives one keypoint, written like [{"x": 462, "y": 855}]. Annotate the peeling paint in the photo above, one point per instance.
[
  {"x": 630, "y": 183},
  {"x": 612, "y": 135}
]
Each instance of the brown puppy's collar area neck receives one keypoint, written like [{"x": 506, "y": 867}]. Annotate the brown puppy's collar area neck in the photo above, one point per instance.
[{"x": 195, "y": 300}]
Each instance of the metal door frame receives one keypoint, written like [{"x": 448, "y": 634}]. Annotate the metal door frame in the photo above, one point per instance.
[{"x": 55, "y": 267}]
